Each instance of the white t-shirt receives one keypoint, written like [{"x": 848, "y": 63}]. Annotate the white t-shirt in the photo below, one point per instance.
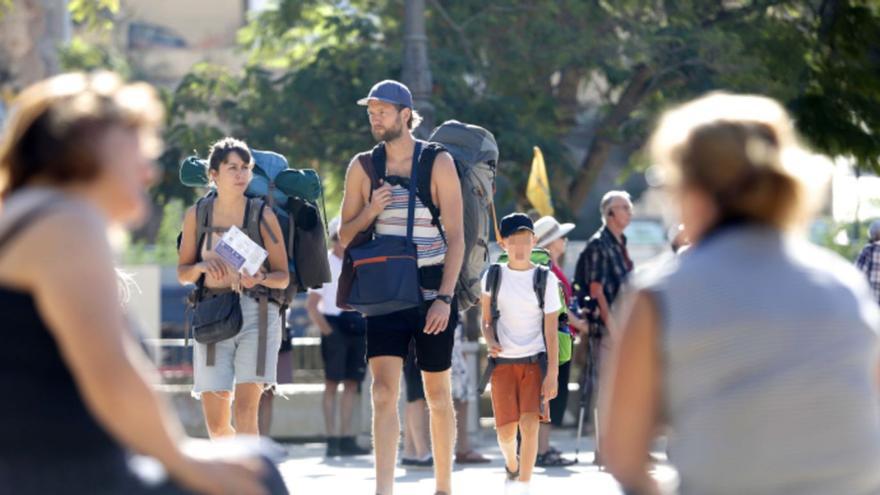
[
  {"x": 521, "y": 325},
  {"x": 327, "y": 306}
]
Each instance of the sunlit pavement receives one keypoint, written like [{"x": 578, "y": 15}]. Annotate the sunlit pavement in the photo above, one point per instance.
[{"x": 306, "y": 471}]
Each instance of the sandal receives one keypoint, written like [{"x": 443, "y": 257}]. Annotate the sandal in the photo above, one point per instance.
[
  {"x": 512, "y": 475},
  {"x": 553, "y": 459},
  {"x": 471, "y": 457}
]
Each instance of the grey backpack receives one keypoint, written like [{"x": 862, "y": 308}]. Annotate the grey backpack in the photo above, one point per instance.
[{"x": 476, "y": 155}]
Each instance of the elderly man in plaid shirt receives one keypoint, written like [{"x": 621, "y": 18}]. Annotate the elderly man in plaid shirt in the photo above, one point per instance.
[
  {"x": 869, "y": 259},
  {"x": 600, "y": 273},
  {"x": 604, "y": 264}
]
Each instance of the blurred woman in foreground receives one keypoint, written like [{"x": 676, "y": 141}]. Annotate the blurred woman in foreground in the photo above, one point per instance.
[
  {"x": 757, "y": 348},
  {"x": 75, "y": 159}
]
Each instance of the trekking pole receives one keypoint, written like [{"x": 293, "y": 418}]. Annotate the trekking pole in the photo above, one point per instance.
[
  {"x": 597, "y": 459},
  {"x": 577, "y": 445},
  {"x": 586, "y": 391}
]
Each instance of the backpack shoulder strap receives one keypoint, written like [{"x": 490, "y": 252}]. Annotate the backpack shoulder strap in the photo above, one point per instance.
[
  {"x": 423, "y": 188},
  {"x": 540, "y": 286},
  {"x": 253, "y": 217},
  {"x": 493, "y": 282},
  {"x": 539, "y": 283},
  {"x": 493, "y": 279},
  {"x": 204, "y": 219},
  {"x": 366, "y": 161},
  {"x": 379, "y": 158}
]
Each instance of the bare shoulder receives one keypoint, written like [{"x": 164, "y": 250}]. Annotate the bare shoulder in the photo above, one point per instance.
[
  {"x": 444, "y": 164},
  {"x": 74, "y": 232},
  {"x": 355, "y": 172},
  {"x": 191, "y": 212},
  {"x": 270, "y": 217}
]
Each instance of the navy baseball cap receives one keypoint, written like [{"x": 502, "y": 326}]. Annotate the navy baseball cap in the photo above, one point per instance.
[
  {"x": 389, "y": 91},
  {"x": 515, "y": 222}
]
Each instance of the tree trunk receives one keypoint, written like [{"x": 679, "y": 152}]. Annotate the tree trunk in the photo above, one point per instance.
[
  {"x": 603, "y": 138},
  {"x": 566, "y": 96},
  {"x": 416, "y": 72}
]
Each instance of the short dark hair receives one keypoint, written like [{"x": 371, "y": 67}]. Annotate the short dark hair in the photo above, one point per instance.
[{"x": 221, "y": 149}]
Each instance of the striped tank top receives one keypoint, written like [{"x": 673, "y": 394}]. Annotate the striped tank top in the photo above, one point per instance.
[{"x": 429, "y": 243}]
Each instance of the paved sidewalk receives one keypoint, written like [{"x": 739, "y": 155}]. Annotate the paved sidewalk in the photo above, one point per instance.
[{"x": 306, "y": 471}]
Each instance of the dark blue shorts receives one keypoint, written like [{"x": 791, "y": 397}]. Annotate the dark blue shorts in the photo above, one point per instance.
[{"x": 390, "y": 335}]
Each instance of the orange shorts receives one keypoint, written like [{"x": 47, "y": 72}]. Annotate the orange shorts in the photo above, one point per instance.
[{"x": 516, "y": 390}]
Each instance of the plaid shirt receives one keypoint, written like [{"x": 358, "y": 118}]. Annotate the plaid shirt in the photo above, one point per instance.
[
  {"x": 869, "y": 263},
  {"x": 604, "y": 261}
]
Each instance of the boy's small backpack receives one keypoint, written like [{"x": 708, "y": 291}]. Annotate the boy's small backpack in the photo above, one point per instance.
[{"x": 493, "y": 283}]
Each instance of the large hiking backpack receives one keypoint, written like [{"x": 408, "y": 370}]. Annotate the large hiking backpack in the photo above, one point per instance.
[
  {"x": 541, "y": 258},
  {"x": 292, "y": 195},
  {"x": 476, "y": 155}
]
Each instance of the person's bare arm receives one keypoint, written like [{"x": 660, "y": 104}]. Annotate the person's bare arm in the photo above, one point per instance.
[
  {"x": 551, "y": 337},
  {"x": 279, "y": 277},
  {"x": 316, "y": 316},
  {"x": 447, "y": 187},
  {"x": 493, "y": 347},
  {"x": 630, "y": 397},
  {"x": 357, "y": 214},
  {"x": 80, "y": 305},
  {"x": 598, "y": 294}
]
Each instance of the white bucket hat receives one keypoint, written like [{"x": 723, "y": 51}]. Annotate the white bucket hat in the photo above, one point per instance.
[{"x": 548, "y": 229}]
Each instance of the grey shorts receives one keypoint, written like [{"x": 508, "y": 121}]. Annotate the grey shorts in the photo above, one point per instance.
[{"x": 235, "y": 359}]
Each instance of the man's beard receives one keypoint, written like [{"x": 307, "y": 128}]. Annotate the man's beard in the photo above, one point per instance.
[{"x": 388, "y": 135}]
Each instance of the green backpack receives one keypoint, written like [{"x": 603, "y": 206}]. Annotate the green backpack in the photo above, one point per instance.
[{"x": 542, "y": 257}]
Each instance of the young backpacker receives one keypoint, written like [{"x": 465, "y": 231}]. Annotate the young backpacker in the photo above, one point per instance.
[
  {"x": 292, "y": 195},
  {"x": 475, "y": 153},
  {"x": 521, "y": 303},
  {"x": 541, "y": 257}
]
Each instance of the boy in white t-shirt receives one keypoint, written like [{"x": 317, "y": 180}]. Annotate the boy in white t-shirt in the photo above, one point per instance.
[{"x": 522, "y": 345}]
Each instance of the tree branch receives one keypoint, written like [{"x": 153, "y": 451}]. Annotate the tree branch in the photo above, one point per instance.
[
  {"x": 636, "y": 90},
  {"x": 736, "y": 14},
  {"x": 466, "y": 44}
]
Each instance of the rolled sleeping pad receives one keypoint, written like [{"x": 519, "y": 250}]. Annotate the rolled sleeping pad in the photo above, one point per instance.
[
  {"x": 194, "y": 172},
  {"x": 289, "y": 182},
  {"x": 304, "y": 184}
]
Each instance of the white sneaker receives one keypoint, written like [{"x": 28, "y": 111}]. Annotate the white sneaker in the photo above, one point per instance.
[{"x": 516, "y": 488}]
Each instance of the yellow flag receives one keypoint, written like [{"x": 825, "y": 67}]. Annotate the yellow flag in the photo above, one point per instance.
[{"x": 538, "y": 188}]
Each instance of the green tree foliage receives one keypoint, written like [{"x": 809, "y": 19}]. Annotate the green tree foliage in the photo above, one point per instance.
[
  {"x": 300, "y": 103},
  {"x": 559, "y": 74},
  {"x": 80, "y": 54}
]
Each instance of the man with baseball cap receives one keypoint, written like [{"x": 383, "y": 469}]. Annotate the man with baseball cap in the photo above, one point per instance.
[{"x": 431, "y": 326}]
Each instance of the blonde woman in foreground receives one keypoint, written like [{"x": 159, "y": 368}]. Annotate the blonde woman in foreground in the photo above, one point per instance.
[
  {"x": 75, "y": 159},
  {"x": 757, "y": 349}
]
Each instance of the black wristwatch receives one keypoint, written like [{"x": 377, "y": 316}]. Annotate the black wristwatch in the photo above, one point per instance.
[{"x": 445, "y": 298}]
